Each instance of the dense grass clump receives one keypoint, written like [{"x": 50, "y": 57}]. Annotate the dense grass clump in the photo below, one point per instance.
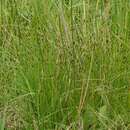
[{"x": 64, "y": 64}]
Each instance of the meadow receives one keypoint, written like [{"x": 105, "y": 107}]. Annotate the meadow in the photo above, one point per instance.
[{"x": 64, "y": 65}]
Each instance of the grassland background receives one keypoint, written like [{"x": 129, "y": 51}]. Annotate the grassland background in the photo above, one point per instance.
[{"x": 64, "y": 64}]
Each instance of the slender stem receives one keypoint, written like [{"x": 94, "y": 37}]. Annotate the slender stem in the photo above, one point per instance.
[{"x": 73, "y": 44}]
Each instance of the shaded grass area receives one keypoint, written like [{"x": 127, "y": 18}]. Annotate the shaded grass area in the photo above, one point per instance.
[{"x": 64, "y": 65}]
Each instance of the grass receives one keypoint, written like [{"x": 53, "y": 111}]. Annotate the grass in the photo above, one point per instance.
[{"x": 64, "y": 65}]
